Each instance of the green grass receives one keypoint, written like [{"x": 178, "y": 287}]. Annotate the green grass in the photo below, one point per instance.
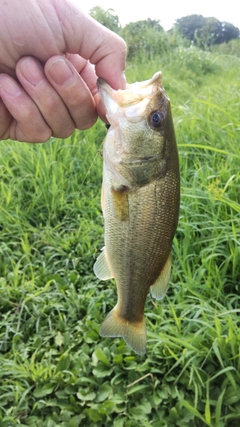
[{"x": 55, "y": 370}]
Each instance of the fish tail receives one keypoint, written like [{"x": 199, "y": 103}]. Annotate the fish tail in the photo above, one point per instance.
[{"x": 134, "y": 333}]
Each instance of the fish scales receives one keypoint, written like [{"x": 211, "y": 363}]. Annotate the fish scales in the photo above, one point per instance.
[
  {"x": 140, "y": 203},
  {"x": 150, "y": 256}
]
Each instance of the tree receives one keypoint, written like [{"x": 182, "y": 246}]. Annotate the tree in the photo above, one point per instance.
[
  {"x": 228, "y": 32},
  {"x": 189, "y": 25},
  {"x": 144, "y": 38},
  {"x": 108, "y": 18},
  {"x": 206, "y": 31}
]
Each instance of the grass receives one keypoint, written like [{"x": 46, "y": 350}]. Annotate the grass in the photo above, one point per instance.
[{"x": 55, "y": 370}]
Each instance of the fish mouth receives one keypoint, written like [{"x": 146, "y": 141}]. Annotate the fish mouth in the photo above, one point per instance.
[{"x": 132, "y": 95}]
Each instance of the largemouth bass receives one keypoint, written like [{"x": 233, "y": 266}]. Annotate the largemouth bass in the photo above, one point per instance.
[{"x": 140, "y": 203}]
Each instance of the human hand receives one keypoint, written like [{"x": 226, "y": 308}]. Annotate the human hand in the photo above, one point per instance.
[{"x": 53, "y": 94}]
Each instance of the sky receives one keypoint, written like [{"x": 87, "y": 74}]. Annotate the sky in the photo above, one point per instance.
[{"x": 167, "y": 11}]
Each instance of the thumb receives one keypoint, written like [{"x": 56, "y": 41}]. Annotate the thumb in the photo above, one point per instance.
[{"x": 94, "y": 42}]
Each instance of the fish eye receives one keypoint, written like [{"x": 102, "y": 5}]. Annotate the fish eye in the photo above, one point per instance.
[{"x": 156, "y": 119}]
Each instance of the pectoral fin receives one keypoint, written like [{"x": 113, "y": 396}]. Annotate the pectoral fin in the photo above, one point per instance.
[
  {"x": 159, "y": 288},
  {"x": 102, "y": 268}
]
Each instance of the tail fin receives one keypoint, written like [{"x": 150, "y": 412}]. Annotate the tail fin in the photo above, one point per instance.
[{"x": 134, "y": 333}]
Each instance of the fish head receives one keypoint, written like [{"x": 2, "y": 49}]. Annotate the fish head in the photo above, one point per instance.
[{"x": 140, "y": 123}]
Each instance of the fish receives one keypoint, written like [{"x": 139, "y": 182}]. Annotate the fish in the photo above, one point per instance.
[{"x": 140, "y": 203}]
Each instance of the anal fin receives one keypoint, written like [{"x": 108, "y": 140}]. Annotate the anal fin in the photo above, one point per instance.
[{"x": 159, "y": 288}]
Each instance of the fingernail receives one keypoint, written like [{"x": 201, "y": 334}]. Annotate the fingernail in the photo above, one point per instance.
[
  {"x": 10, "y": 87},
  {"x": 32, "y": 71},
  {"x": 60, "y": 72}
]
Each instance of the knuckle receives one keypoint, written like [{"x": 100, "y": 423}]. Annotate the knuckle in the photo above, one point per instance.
[
  {"x": 43, "y": 136},
  {"x": 49, "y": 104},
  {"x": 27, "y": 114},
  {"x": 86, "y": 122},
  {"x": 123, "y": 45},
  {"x": 36, "y": 134},
  {"x": 65, "y": 132}
]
